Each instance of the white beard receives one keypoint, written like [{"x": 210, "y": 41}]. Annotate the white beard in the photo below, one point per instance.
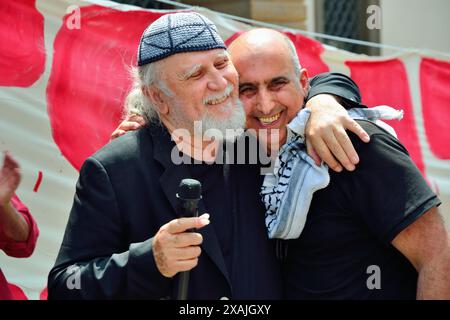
[
  {"x": 211, "y": 125},
  {"x": 228, "y": 129}
]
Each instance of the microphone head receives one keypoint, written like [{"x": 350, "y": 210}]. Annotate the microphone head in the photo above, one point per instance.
[{"x": 189, "y": 189}]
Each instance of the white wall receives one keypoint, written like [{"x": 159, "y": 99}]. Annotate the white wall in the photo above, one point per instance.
[{"x": 421, "y": 24}]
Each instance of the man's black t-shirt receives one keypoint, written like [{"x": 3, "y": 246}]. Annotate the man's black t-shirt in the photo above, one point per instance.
[{"x": 345, "y": 251}]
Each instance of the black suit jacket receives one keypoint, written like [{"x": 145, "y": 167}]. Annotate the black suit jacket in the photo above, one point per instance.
[{"x": 126, "y": 192}]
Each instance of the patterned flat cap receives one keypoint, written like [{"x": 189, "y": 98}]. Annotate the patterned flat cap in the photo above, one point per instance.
[{"x": 175, "y": 33}]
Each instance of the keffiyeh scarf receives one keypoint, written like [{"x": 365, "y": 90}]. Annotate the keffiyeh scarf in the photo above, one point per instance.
[{"x": 287, "y": 193}]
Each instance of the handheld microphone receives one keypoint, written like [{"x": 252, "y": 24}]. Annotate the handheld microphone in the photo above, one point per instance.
[{"x": 189, "y": 194}]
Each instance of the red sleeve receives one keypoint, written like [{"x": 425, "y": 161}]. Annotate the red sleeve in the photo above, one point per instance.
[{"x": 20, "y": 249}]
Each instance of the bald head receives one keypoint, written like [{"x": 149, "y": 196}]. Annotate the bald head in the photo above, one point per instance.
[
  {"x": 272, "y": 86},
  {"x": 262, "y": 41}
]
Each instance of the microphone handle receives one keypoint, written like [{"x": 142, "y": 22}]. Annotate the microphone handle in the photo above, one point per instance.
[
  {"x": 183, "y": 285},
  {"x": 189, "y": 209}
]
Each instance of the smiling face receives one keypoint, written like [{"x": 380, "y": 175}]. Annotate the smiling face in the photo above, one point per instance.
[
  {"x": 200, "y": 86},
  {"x": 269, "y": 87}
]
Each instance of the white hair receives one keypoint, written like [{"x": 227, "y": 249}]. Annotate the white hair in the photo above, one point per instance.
[
  {"x": 136, "y": 102},
  {"x": 294, "y": 56}
]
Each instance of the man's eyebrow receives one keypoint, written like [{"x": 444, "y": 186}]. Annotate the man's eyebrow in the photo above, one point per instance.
[
  {"x": 282, "y": 78},
  {"x": 254, "y": 84},
  {"x": 189, "y": 73},
  {"x": 245, "y": 84},
  {"x": 223, "y": 54}
]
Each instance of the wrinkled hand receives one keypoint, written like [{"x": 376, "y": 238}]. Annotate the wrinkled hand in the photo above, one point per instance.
[
  {"x": 326, "y": 138},
  {"x": 175, "y": 249},
  {"x": 132, "y": 122},
  {"x": 9, "y": 179}
]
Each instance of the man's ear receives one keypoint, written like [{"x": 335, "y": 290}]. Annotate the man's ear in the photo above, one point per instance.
[
  {"x": 304, "y": 81},
  {"x": 157, "y": 98}
]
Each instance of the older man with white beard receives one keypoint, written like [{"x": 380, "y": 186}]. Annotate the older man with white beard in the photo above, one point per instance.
[{"x": 124, "y": 239}]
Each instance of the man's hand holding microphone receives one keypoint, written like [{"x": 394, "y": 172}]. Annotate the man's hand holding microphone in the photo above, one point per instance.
[{"x": 175, "y": 248}]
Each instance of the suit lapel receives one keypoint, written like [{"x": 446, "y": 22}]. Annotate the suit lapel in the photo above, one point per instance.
[{"x": 170, "y": 180}]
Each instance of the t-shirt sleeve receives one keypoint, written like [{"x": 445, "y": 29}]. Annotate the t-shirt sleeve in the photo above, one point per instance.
[
  {"x": 339, "y": 85},
  {"x": 391, "y": 192}
]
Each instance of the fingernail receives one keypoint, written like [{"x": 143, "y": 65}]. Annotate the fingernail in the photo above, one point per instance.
[
  {"x": 204, "y": 216},
  {"x": 355, "y": 159},
  {"x": 366, "y": 138},
  {"x": 204, "y": 221},
  {"x": 350, "y": 167}
]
